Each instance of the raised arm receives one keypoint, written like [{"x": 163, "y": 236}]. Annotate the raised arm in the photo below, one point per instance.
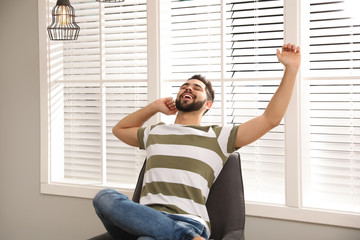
[
  {"x": 255, "y": 128},
  {"x": 126, "y": 129}
]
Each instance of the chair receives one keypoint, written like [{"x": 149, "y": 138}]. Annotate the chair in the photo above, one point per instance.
[{"x": 225, "y": 204}]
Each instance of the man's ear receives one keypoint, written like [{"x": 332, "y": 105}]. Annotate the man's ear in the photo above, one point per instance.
[{"x": 208, "y": 104}]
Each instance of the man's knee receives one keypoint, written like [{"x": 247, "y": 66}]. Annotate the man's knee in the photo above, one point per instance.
[{"x": 105, "y": 198}]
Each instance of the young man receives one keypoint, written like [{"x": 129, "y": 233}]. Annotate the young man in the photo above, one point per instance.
[{"x": 184, "y": 159}]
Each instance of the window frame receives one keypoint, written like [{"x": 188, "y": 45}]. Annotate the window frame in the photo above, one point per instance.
[{"x": 292, "y": 210}]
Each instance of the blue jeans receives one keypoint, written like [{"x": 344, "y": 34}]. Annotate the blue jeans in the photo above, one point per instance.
[{"x": 125, "y": 219}]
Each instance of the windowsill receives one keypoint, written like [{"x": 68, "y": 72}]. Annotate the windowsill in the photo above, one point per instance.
[
  {"x": 309, "y": 215},
  {"x": 281, "y": 212},
  {"x": 76, "y": 190}
]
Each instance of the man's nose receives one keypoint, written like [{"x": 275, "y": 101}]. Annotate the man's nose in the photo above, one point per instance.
[{"x": 188, "y": 87}]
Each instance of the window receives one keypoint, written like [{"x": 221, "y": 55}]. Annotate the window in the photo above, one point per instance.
[
  {"x": 130, "y": 53},
  {"x": 92, "y": 83},
  {"x": 332, "y": 89}
]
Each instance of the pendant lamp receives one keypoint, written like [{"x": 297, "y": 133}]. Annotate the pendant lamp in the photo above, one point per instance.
[{"x": 63, "y": 26}]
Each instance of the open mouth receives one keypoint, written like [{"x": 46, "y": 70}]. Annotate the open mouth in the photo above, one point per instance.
[{"x": 187, "y": 96}]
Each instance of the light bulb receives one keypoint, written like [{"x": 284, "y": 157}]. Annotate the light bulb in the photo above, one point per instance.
[{"x": 64, "y": 16}]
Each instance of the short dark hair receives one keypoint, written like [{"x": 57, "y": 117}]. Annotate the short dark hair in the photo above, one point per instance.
[{"x": 210, "y": 94}]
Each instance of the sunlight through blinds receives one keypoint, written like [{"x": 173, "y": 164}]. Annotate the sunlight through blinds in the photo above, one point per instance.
[
  {"x": 125, "y": 39},
  {"x": 95, "y": 81},
  {"x": 125, "y": 59},
  {"x": 263, "y": 161},
  {"x": 254, "y": 30},
  {"x": 334, "y": 38},
  {"x": 195, "y": 38},
  {"x": 332, "y": 167}
]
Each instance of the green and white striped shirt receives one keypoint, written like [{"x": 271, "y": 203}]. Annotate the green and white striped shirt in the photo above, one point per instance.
[{"x": 183, "y": 162}]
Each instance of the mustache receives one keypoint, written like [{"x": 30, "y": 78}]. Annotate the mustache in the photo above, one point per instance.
[{"x": 194, "y": 97}]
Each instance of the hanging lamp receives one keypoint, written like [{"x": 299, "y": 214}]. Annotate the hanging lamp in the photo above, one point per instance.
[{"x": 63, "y": 26}]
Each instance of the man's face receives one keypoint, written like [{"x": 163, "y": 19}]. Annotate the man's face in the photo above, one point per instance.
[{"x": 191, "y": 96}]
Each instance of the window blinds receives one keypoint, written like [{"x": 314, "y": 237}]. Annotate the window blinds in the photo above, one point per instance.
[
  {"x": 254, "y": 32},
  {"x": 82, "y": 98},
  {"x": 334, "y": 38},
  {"x": 125, "y": 59},
  {"x": 332, "y": 179},
  {"x": 332, "y": 166},
  {"x": 81, "y": 58},
  {"x": 82, "y": 131},
  {"x": 263, "y": 162},
  {"x": 122, "y": 162},
  {"x": 95, "y": 81},
  {"x": 125, "y": 34},
  {"x": 195, "y": 38}
]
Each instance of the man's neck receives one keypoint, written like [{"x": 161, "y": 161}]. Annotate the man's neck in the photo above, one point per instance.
[{"x": 188, "y": 118}]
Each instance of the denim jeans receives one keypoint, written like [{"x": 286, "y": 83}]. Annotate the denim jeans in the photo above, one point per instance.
[{"x": 125, "y": 219}]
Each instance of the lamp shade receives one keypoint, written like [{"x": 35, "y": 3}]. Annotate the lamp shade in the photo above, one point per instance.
[{"x": 63, "y": 26}]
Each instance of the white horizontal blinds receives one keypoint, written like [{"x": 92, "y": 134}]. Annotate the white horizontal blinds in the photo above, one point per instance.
[
  {"x": 333, "y": 171},
  {"x": 122, "y": 161},
  {"x": 195, "y": 38},
  {"x": 263, "y": 161},
  {"x": 82, "y": 132},
  {"x": 85, "y": 106},
  {"x": 125, "y": 64},
  {"x": 334, "y": 38},
  {"x": 76, "y": 107},
  {"x": 254, "y": 30},
  {"x": 332, "y": 116},
  {"x": 125, "y": 40},
  {"x": 82, "y": 56}
]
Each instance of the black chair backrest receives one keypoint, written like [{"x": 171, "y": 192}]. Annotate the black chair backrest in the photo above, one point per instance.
[{"x": 225, "y": 203}]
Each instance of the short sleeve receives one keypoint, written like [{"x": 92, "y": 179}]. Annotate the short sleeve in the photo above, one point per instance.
[
  {"x": 226, "y": 136},
  {"x": 140, "y": 136},
  {"x": 232, "y": 139}
]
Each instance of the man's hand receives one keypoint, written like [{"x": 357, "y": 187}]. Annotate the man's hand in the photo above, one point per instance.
[
  {"x": 166, "y": 106},
  {"x": 126, "y": 129},
  {"x": 198, "y": 238},
  {"x": 289, "y": 55}
]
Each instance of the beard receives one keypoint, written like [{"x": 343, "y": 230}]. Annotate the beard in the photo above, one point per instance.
[{"x": 194, "y": 106}]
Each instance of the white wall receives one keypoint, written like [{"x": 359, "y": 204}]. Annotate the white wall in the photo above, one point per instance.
[{"x": 24, "y": 212}]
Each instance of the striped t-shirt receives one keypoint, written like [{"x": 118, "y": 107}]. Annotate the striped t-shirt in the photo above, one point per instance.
[{"x": 183, "y": 162}]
